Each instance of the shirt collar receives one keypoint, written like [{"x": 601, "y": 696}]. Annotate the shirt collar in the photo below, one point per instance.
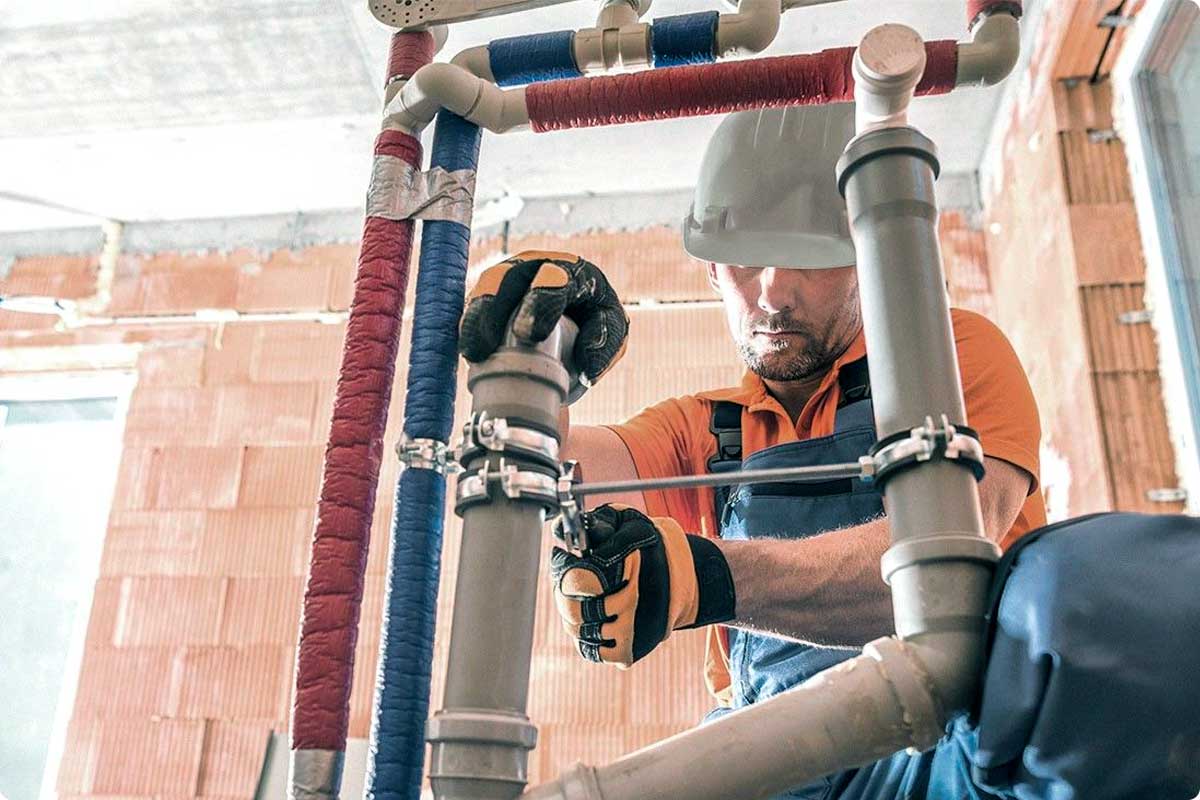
[{"x": 752, "y": 392}]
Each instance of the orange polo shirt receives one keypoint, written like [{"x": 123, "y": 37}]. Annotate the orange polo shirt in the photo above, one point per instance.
[{"x": 673, "y": 437}]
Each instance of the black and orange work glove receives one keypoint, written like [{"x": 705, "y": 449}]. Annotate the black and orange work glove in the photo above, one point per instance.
[
  {"x": 641, "y": 579},
  {"x": 535, "y": 289}
]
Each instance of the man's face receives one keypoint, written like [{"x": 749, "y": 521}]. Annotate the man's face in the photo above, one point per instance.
[{"x": 789, "y": 324}]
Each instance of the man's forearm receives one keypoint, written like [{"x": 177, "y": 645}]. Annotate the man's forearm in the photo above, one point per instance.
[{"x": 824, "y": 589}]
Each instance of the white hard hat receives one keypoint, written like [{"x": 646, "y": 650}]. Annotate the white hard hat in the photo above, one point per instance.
[{"x": 767, "y": 193}]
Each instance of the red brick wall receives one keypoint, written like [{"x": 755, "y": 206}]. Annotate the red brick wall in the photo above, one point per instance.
[
  {"x": 1066, "y": 260},
  {"x": 188, "y": 661}
]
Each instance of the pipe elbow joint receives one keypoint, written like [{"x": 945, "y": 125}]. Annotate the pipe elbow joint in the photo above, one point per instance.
[
  {"x": 477, "y": 61},
  {"x": 430, "y": 89},
  {"x": 751, "y": 30},
  {"x": 951, "y": 662},
  {"x": 992, "y": 53}
]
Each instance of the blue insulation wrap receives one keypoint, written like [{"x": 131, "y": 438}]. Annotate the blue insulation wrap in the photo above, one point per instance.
[
  {"x": 441, "y": 277},
  {"x": 684, "y": 39},
  {"x": 531, "y": 59},
  {"x": 406, "y": 644},
  {"x": 406, "y": 650}
]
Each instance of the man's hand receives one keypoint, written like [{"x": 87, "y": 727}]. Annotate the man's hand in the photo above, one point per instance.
[
  {"x": 539, "y": 288},
  {"x": 641, "y": 579}
]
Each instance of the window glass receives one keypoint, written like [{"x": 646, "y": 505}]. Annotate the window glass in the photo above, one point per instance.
[
  {"x": 58, "y": 464},
  {"x": 1168, "y": 85}
]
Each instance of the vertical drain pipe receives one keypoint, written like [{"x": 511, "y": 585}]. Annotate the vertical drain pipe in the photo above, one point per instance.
[
  {"x": 481, "y": 737},
  {"x": 940, "y": 562}
]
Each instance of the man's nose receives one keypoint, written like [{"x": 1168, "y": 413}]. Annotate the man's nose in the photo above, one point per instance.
[{"x": 774, "y": 294}]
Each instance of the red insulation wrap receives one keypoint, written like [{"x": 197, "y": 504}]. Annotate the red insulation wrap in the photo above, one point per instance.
[
  {"x": 977, "y": 7},
  {"x": 333, "y": 596},
  {"x": 409, "y": 52},
  {"x": 811, "y": 79}
]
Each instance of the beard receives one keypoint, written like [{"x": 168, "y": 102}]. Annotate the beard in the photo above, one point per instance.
[{"x": 804, "y": 353}]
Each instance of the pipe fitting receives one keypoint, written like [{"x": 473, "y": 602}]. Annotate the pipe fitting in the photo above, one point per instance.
[
  {"x": 887, "y": 66},
  {"x": 993, "y": 51},
  {"x": 449, "y": 86},
  {"x": 618, "y": 13},
  {"x": 750, "y": 30},
  {"x": 600, "y": 50},
  {"x": 477, "y": 61},
  {"x": 479, "y": 753}
]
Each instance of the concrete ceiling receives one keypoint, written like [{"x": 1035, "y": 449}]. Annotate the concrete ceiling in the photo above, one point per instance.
[{"x": 151, "y": 110}]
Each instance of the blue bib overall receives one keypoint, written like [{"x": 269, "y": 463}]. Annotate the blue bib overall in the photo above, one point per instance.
[{"x": 762, "y": 666}]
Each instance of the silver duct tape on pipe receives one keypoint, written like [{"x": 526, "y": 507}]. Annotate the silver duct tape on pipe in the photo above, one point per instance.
[
  {"x": 857, "y": 712},
  {"x": 481, "y": 737},
  {"x": 315, "y": 774},
  {"x": 398, "y": 190},
  {"x": 940, "y": 563}
]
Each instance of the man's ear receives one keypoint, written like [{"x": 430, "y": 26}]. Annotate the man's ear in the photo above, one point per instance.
[{"x": 711, "y": 271}]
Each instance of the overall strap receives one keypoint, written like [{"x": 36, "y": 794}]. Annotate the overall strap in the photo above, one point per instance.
[
  {"x": 854, "y": 380},
  {"x": 726, "y": 425}
]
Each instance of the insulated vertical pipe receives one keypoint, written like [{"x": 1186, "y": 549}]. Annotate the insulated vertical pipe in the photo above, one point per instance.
[
  {"x": 939, "y": 563},
  {"x": 333, "y": 596},
  {"x": 481, "y": 737},
  {"x": 397, "y": 752}
]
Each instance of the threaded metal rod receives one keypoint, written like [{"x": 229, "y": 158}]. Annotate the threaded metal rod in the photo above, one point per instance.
[{"x": 824, "y": 472}]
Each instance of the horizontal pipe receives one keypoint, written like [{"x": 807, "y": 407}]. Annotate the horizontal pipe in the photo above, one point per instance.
[
  {"x": 465, "y": 87},
  {"x": 852, "y": 714},
  {"x": 816, "y": 78}
]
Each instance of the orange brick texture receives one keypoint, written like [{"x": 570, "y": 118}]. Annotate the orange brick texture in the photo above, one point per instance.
[{"x": 188, "y": 661}]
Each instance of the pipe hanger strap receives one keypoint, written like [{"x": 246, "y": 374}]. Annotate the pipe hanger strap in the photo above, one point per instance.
[{"x": 815, "y": 78}]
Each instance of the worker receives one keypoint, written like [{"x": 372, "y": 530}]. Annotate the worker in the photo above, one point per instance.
[{"x": 785, "y": 576}]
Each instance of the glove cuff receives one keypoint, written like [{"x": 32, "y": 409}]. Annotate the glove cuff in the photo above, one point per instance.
[{"x": 714, "y": 583}]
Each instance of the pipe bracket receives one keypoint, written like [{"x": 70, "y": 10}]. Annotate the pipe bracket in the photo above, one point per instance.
[
  {"x": 475, "y": 486},
  {"x": 484, "y": 433},
  {"x": 418, "y": 453},
  {"x": 925, "y": 443}
]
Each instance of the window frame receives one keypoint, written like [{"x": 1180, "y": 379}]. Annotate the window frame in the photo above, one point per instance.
[
  {"x": 1175, "y": 317},
  {"x": 66, "y": 386}
]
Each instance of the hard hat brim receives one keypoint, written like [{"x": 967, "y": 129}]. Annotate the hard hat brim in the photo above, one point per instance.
[{"x": 767, "y": 248}]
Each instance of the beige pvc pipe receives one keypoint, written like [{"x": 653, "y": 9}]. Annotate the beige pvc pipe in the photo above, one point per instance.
[{"x": 857, "y": 712}]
